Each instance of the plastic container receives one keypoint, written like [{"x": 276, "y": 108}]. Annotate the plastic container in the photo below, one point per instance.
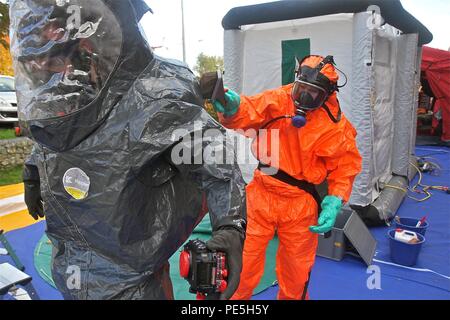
[
  {"x": 410, "y": 224},
  {"x": 405, "y": 253},
  {"x": 405, "y": 235}
]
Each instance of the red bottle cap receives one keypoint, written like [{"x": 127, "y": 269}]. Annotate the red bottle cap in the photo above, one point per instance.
[
  {"x": 200, "y": 296},
  {"x": 185, "y": 264},
  {"x": 224, "y": 273},
  {"x": 222, "y": 286}
]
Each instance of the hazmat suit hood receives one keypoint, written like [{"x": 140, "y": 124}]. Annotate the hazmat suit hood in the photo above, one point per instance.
[
  {"x": 111, "y": 121},
  {"x": 74, "y": 60}
]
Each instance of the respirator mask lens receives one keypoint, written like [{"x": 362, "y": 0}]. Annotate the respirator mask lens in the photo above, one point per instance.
[{"x": 308, "y": 96}]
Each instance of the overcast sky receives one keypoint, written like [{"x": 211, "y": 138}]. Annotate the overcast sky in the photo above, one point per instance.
[{"x": 204, "y": 31}]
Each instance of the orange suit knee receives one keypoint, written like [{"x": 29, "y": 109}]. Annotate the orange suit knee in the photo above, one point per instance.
[{"x": 273, "y": 206}]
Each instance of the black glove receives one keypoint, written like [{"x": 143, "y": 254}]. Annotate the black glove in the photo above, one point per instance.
[
  {"x": 231, "y": 241},
  {"x": 33, "y": 199}
]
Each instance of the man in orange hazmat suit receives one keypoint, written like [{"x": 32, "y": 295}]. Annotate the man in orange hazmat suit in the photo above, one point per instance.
[{"x": 315, "y": 142}]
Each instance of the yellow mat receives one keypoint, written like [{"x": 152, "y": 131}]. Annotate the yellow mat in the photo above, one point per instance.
[
  {"x": 16, "y": 220},
  {"x": 11, "y": 190}
]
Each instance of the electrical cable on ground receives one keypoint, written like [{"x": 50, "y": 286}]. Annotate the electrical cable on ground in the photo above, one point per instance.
[{"x": 431, "y": 167}]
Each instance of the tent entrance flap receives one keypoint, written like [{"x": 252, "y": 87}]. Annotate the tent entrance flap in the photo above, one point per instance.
[{"x": 292, "y": 49}]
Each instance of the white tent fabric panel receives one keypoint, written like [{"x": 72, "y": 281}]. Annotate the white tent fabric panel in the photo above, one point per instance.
[
  {"x": 257, "y": 46},
  {"x": 384, "y": 76},
  {"x": 262, "y": 60},
  {"x": 263, "y": 48},
  {"x": 305, "y": 22},
  {"x": 360, "y": 113},
  {"x": 405, "y": 103},
  {"x": 234, "y": 59},
  {"x": 373, "y": 105}
]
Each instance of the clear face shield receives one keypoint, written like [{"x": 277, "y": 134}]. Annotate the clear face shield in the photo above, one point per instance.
[{"x": 64, "y": 51}]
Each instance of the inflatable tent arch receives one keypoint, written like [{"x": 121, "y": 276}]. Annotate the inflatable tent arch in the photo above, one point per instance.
[{"x": 381, "y": 60}]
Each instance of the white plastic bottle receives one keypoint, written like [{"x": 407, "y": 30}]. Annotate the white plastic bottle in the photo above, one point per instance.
[{"x": 405, "y": 235}]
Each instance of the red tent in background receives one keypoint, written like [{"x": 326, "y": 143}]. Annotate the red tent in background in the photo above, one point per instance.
[{"x": 436, "y": 70}]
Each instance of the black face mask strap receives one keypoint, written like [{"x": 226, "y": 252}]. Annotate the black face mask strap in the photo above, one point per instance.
[
  {"x": 339, "y": 116},
  {"x": 328, "y": 60},
  {"x": 329, "y": 86},
  {"x": 325, "y": 61}
]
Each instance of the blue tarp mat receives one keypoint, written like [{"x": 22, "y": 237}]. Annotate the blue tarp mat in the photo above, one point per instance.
[
  {"x": 23, "y": 242},
  {"x": 346, "y": 279},
  {"x": 430, "y": 278}
]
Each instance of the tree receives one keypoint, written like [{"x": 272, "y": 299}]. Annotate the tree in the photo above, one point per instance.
[
  {"x": 210, "y": 109},
  {"x": 5, "y": 61},
  {"x": 4, "y": 24},
  {"x": 5, "y": 56},
  {"x": 207, "y": 63}
]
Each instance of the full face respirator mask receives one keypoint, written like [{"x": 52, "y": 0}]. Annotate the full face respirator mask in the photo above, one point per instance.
[
  {"x": 312, "y": 89},
  {"x": 310, "y": 92}
]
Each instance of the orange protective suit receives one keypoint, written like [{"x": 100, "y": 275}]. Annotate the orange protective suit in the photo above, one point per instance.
[{"x": 320, "y": 150}]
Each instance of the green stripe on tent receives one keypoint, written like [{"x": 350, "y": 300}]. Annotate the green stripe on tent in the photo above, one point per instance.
[{"x": 292, "y": 49}]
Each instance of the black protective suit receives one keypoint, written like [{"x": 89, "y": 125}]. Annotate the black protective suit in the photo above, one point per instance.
[{"x": 103, "y": 111}]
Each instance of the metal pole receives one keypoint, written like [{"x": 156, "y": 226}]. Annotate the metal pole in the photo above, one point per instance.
[{"x": 183, "y": 31}]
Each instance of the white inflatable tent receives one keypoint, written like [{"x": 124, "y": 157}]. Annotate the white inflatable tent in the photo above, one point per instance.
[{"x": 378, "y": 46}]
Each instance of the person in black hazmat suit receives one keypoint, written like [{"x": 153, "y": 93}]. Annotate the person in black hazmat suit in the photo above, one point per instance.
[{"x": 103, "y": 110}]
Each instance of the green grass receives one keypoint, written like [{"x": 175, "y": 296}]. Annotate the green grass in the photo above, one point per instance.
[
  {"x": 11, "y": 176},
  {"x": 7, "y": 134}
]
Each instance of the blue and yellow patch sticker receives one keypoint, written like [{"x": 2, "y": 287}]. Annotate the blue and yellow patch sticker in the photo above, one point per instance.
[{"x": 76, "y": 183}]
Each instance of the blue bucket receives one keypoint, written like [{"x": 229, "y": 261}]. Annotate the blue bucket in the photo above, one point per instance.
[
  {"x": 410, "y": 225},
  {"x": 404, "y": 253}
]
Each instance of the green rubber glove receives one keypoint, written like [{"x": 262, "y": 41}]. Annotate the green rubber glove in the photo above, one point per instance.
[
  {"x": 331, "y": 207},
  {"x": 233, "y": 101}
]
